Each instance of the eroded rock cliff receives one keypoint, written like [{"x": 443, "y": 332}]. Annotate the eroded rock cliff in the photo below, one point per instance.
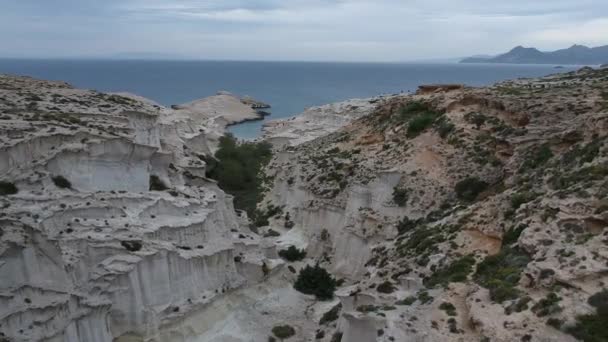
[
  {"x": 459, "y": 214},
  {"x": 109, "y": 229}
]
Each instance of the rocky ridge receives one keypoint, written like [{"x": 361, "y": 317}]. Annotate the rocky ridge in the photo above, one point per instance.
[{"x": 459, "y": 214}]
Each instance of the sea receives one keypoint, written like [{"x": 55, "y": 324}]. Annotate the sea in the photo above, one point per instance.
[{"x": 289, "y": 87}]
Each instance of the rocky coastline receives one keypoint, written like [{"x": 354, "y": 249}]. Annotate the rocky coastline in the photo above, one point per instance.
[{"x": 453, "y": 214}]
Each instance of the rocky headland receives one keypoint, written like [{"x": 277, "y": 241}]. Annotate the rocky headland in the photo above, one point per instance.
[{"x": 452, "y": 214}]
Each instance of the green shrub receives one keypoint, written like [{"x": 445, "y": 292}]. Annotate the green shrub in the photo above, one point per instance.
[
  {"x": 292, "y": 254},
  {"x": 238, "y": 171},
  {"x": 400, "y": 196},
  {"x": 331, "y": 315},
  {"x": 457, "y": 271},
  {"x": 519, "y": 199},
  {"x": 469, "y": 188},
  {"x": 406, "y": 225},
  {"x": 419, "y": 116},
  {"x": 260, "y": 217},
  {"x": 8, "y": 188},
  {"x": 336, "y": 337},
  {"x": 406, "y": 301},
  {"x": 477, "y": 119},
  {"x": 420, "y": 123},
  {"x": 156, "y": 184},
  {"x": 444, "y": 128},
  {"x": 62, "y": 182},
  {"x": 547, "y": 306},
  {"x": 283, "y": 331},
  {"x": 518, "y": 306},
  {"x": 386, "y": 287},
  {"x": 593, "y": 327},
  {"x": 500, "y": 273},
  {"x": 316, "y": 281},
  {"x": 449, "y": 308},
  {"x": 512, "y": 235},
  {"x": 424, "y": 298}
]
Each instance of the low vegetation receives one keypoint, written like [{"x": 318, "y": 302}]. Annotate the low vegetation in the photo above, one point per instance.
[
  {"x": 400, "y": 196},
  {"x": 469, "y": 188},
  {"x": 331, "y": 315},
  {"x": 61, "y": 182},
  {"x": 292, "y": 254},
  {"x": 156, "y": 184},
  {"x": 537, "y": 157},
  {"x": 386, "y": 287},
  {"x": 457, "y": 271},
  {"x": 500, "y": 273},
  {"x": 593, "y": 327},
  {"x": 449, "y": 308},
  {"x": 316, "y": 281},
  {"x": 283, "y": 332},
  {"x": 419, "y": 116},
  {"x": 238, "y": 172},
  {"x": 8, "y": 188}
]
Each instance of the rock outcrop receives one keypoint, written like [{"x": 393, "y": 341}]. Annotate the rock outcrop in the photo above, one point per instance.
[
  {"x": 109, "y": 229},
  {"x": 457, "y": 214}
]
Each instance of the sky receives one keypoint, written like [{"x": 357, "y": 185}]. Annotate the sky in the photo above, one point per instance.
[{"x": 303, "y": 30}]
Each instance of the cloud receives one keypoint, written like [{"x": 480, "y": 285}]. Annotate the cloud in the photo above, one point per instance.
[
  {"x": 377, "y": 30},
  {"x": 593, "y": 32}
]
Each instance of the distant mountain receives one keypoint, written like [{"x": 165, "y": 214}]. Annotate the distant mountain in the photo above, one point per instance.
[{"x": 576, "y": 54}]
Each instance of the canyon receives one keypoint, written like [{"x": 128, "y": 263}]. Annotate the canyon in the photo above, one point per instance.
[{"x": 452, "y": 214}]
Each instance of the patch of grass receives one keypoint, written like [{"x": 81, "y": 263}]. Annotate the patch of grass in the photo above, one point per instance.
[
  {"x": 500, "y": 273},
  {"x": 239, "y": 171},
  {"x": 292, "y": 254},
  {"x": 61, "y": 182},
  {"x": 8, "y": 188},
  {"x": 316, "y": 281},
  {"x": 457, "y": 271},
  {"x": 469, "y": 188}
]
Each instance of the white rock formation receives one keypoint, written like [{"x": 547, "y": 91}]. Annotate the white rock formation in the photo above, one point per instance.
[
  {"x": 316, "y": 122},
  {"x": 92, "y": 246}
]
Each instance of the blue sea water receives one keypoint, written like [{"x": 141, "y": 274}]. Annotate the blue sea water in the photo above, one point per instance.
[{"x": 289, "y": 87}]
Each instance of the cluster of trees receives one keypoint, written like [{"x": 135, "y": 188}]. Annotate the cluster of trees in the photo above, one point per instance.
[{"x": 237, "y": 168}]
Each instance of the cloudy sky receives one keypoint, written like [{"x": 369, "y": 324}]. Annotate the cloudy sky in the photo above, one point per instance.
[{"x": 337, "y": 30}]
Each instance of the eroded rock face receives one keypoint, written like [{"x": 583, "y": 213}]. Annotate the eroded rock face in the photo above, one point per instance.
[
  {"x": 411, "y": 203},
  {"x": 114, "y": 233},
  {"x": 457, "y": 214}
]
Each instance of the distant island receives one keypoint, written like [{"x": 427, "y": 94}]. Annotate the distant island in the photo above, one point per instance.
[{"x": 576, "y": 54}]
